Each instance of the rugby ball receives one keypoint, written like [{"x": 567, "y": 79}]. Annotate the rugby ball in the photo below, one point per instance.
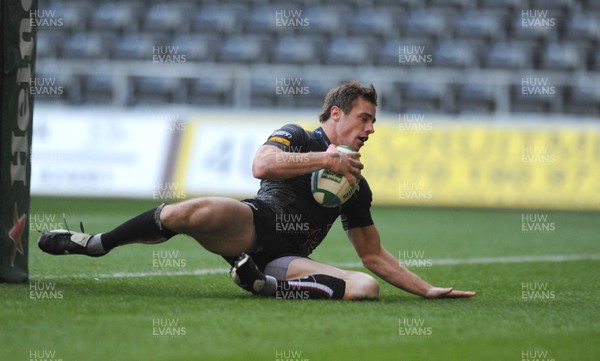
[{"x": 330, "y": 189}]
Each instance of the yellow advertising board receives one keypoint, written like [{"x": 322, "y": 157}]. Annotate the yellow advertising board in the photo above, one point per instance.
[
  {"x": 483, "y": 166},
  {"x": 418, "y": 161}
]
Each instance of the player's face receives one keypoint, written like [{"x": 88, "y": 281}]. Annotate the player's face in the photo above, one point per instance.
[{"x": 355, "y": 127}]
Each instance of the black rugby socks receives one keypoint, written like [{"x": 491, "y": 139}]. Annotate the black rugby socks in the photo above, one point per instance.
[
  {"x": 144, "y": 228},
  {"x": 315, "y": 287}
]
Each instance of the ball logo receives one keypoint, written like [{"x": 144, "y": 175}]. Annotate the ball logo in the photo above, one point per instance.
[{"x": 327, "y": 174}]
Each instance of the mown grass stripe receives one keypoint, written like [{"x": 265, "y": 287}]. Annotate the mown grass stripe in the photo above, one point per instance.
[{"x": 438, "y": 262}]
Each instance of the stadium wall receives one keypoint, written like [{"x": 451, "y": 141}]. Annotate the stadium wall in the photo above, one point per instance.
[{"x": 411, "y": 160}]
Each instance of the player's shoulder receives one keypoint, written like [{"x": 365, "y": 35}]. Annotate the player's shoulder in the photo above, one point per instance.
[
  {"x": 290, "y": 129},
  {"x": 286, "y": 135}
]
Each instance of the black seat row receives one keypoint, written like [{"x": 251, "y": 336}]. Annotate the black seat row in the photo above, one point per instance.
[
  {"x": 218, "y": 91},
  {"x": 513, "y": 54}
]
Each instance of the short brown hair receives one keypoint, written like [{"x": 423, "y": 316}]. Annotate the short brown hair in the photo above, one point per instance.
[{"x": 344, "y": 96}]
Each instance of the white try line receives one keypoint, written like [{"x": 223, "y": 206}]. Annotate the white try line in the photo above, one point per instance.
[{"x": 434, "y": 262}]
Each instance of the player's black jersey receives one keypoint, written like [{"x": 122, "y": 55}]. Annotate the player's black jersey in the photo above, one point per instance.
[{"x": 298, "y": 217}]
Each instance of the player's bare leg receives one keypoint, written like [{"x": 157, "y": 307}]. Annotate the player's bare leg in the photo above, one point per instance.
[
  {"x": 221, "y": 225},
  {"x": 308, "y": 279},
  {"x": 359, "y": 285},
  {"x": 225, "y": 227},
  {"x": 315, "y": 286}
]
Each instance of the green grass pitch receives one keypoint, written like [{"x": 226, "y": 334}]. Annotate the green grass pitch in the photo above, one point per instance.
[{"x": 120, "y": 307}]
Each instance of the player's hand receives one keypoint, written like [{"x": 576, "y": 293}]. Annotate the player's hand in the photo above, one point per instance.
[
  {"x": 439, "y": 292},
  {"x": 346, "y": 164}
]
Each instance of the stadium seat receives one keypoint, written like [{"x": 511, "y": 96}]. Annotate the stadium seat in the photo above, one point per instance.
[
  {"x": 326, "y": 20},
  {"x": 134, "y": 46},
  {"x": 500, "y": 4},
  {"x": 199, "y": 48},
  {"x": 404, "y": 4},
  {"x": 513, "y": 55},
  {"x": 521, "y": 103},
  {"x": 595, "y": 60},
  {"x": 591, "y": 5},
  {"x": 167, "y": 17},
  {"x": 262, "y": 92},
  {"x": 260, "y": 20},
  {"x": 97, "y": 89},
  {"x": 583, "y": 98},
  {"x": 583, "y": 26},
  {"x": 452, "y": 4},
  {"x": 254, "y": 3},
  {"x": 536, "y": 27},
  {"x": 388, "y": 52},
  {"x": 423, "y": 97},
  {"x": 216, "y": 19},
  {"x": 210, "y": 91},
  {"x": 74, "y": 16},
  {"x": 298, "y": 50},
  {"x": 350, "y": 51},
  {"x": 475, "y": 98},
  {"x": 153, "y": 90},
  {"x": 116, "y": 16},
  {"x": 561, "y": 57},
  {"x": 54, "y": 87},
  {"x": 381, "y": 22},
  {"x": 302, "y": 4},
  {"x": 317, "y": 89},
  {"x": 479, "y": 25},
  {"x": 84, "y": 45},
  {"x": 455, "y": 54},
  {"x": 415, "y": 53},
  {"x": 422, "y": 22},
  {"x": 552, "y": 4},
  {"x": 243, "y": 49},
  {"x": 48, "y": 43}
]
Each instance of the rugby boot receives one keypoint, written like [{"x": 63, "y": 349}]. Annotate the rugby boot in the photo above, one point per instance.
[
  {"x": 246, "y": 275},
  {"x": 62, "y": 242}
]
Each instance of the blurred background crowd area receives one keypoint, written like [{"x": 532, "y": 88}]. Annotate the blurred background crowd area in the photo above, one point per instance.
[{"x": 453, "y": 57}]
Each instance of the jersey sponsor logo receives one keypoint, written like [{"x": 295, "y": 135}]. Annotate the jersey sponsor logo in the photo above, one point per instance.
[
  {"x": 282, "y": 133},
  {"x": 279, "y": 140}
]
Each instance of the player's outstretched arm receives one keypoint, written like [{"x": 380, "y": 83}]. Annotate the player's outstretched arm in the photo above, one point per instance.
[
  {"x": 367, "y": 242},
  {"x": 272, "y": 163}
]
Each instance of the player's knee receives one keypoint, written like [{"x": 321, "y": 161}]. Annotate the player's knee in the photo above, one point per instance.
[{"x": 361, "y": 287}]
